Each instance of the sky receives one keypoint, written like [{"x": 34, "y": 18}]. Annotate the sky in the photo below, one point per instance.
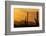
[{"x": 21, "y": 13}]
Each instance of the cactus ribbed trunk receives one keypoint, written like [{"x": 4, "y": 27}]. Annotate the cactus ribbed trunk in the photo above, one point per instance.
[{"x": 26, "y": 20}]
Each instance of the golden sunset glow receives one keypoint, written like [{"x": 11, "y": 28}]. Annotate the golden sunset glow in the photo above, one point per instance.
[
  {"x": 26, "y": 17},
  {"x": 21, "y": 13}
]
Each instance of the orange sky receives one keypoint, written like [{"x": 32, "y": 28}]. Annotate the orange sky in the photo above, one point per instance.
[{"x": 20, "y": 13}]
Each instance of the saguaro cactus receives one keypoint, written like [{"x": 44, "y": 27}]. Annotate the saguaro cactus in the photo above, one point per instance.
[
  {"x": 37, "y": 19},
  {"x": 26, "y": 20}
]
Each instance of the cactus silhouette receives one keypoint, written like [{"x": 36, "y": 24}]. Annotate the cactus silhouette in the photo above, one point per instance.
[
  {"x": 36, "y": 20},
  {"x": 26, "y": 18}
]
